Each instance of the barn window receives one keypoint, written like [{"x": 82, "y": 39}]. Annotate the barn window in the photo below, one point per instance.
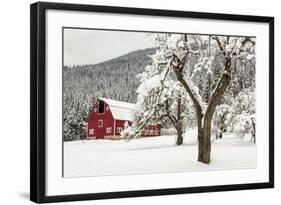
[
  {"x": 146, "y": 132},
  {"x": 100, "y": 123},
  {"x": 91, "y": 131},
  {"x": 119, "y": 129},
  {"x": 101, "y": 107},
  {"x": 109, "y": 130},
  {"x": 155, "y": 132}
]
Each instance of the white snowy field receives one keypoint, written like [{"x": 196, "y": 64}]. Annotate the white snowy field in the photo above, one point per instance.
[{"x": 153, "y": 155}]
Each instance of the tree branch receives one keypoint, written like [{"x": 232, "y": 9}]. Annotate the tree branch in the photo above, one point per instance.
[
  {"x": 220, "y": 45},
  {"x": 218, "y": 92},
  {"x": 247, "y": 39}
]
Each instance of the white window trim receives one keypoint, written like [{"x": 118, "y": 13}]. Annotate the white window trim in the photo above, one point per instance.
[
  {"x": 99, "y": 123},
  {"x": 119, "y": 129},
  {"x": 109, "y": 130},
  {"x": 91, "y": 131}
]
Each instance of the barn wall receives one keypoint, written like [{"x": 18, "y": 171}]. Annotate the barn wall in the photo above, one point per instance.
[
  {"x": 151, "y": 131},
  {"x": 107, "y": 118},
  {"x": 119, "y": 123}
]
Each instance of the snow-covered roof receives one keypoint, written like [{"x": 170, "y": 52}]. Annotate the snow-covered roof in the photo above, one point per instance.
[{"x": 120, "y": 110}]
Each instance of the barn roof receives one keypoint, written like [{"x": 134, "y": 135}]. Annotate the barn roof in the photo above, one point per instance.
[{"x": 120, "y": 110}]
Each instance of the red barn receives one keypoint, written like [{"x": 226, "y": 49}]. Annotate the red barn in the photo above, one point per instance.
[{"x": 108, "y": 117}]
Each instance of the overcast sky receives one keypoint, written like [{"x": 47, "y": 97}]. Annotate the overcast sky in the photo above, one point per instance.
[{"x": 83, "y": 46}]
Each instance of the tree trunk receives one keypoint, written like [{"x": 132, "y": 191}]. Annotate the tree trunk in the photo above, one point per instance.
[
  {"x": 254, "y": 130},
  {"x": 220, "y": 135},
  {"x": 204, "y": 153},
  {"x": 179, "y": 123},
  {"x": 204, "y": 124},
  {"x": 179, "y": 137},
  {"x": 221, "y": 131},
  {"x": 200, "y": 145},
  {"x": 204, "y": 144}
]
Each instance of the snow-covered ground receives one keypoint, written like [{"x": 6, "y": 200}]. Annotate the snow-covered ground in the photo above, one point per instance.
[{"x": 153, "y": 155}]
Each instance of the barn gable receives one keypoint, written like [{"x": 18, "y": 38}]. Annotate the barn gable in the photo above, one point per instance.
[{"x": 120, "y": 110}]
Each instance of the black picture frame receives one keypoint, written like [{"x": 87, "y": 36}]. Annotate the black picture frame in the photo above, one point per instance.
[{"x": 38, "y": 101}]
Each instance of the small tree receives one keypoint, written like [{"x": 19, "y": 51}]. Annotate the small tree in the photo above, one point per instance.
[
  {"x": 176, "y": 107},
  {"x": 244, "y": 116}
]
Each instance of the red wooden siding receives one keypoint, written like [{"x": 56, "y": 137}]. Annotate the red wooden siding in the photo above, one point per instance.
[{"x": 107, "y": 119}]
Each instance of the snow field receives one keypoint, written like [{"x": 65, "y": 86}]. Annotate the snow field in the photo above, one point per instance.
[{"x": 153, "y": 155}]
